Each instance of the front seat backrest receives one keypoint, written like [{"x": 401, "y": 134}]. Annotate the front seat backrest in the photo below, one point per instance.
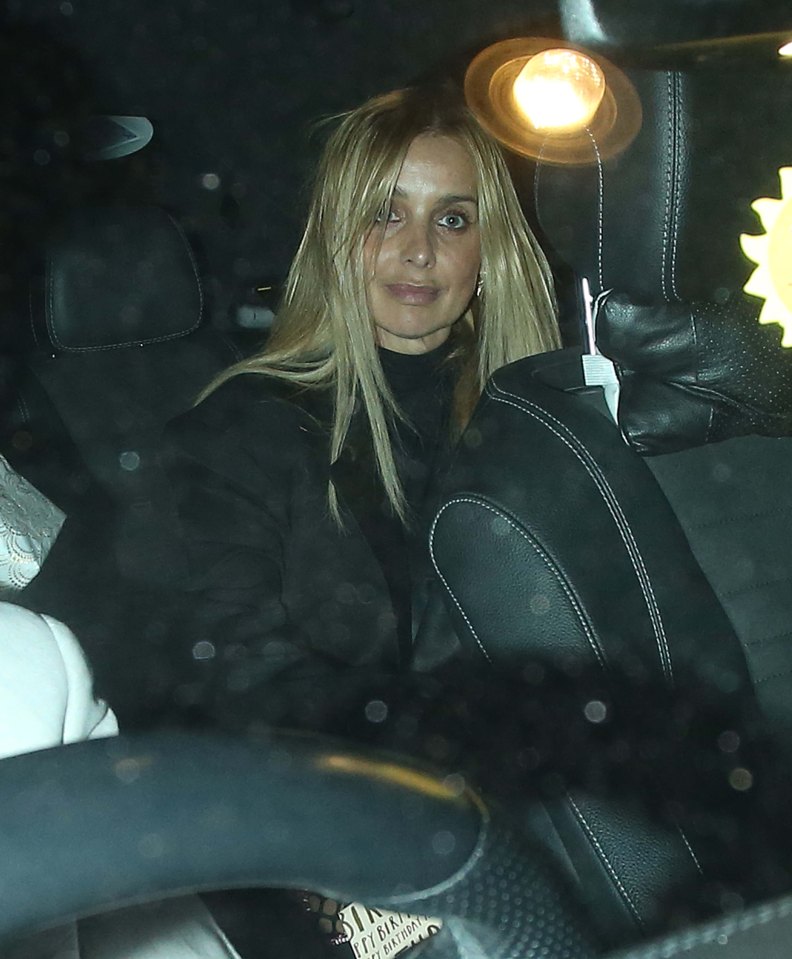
[
  {"x": 581, "y": 557},
  {"x": 679, "y": 242}
]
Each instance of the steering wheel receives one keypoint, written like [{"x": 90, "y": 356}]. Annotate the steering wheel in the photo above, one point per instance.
[{"x": 101, "y": 824}]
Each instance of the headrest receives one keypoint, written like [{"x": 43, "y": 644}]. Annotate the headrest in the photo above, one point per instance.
[
  {"x": 695, "y": 373},
  {"x": 113, "y": 277},
  {"x": 662, "y": 220}
]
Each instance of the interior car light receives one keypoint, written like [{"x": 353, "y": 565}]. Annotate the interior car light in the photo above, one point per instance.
[
  {"x": 772, "y": 253},
  {"x": 547, "y": 98},
  {"x": 785, "y": 50},
  {"x": 559, "y": 90}
]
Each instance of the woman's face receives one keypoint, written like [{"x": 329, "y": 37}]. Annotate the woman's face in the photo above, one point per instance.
[{"x": 422, "y": 261}]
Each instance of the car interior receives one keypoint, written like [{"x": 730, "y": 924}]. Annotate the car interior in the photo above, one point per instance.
[{"x": 616, "y": 519}]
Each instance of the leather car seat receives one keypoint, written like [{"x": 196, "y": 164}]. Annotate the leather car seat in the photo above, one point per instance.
[
  {"x": 592, "y": 555},
  {"x": 113, "y": 342}
]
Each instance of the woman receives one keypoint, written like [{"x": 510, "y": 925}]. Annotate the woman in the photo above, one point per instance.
[{"x": 300, "y": 475}]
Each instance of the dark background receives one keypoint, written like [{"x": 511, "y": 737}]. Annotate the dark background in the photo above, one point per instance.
[{"x": 235, "y": 89}]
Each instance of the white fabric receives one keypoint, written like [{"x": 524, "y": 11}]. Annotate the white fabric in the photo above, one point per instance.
[
  {"x": 46, "y": 695},
  {"x": 46, "y": 699}
]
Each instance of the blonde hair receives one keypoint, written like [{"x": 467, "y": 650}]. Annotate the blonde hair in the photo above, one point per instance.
[{"x": 324, "y": 334}]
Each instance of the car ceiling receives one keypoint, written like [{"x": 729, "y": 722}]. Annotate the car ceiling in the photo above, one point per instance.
[{"x": 235, "y": 88}]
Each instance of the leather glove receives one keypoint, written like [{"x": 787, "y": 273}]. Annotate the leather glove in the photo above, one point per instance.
[{"x": 695, "y": 373}]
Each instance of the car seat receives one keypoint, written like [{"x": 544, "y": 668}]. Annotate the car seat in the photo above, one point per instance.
[
  {"x": 113, "y": 342},
  {"x": 591, "y": 555}
]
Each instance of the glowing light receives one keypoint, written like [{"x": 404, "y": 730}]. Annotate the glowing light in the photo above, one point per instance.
[
  {"x": 772, "y": 252},
  {"x": 785, "y": 50},
  {"x": 559, "y": 91},
  {"x": 545, "y": 99}
]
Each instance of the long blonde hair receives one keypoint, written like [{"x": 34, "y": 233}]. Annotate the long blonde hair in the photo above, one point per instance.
[{"x": 324, "y": 334}]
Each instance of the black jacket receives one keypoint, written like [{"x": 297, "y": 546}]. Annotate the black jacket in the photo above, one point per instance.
[{"x": 283, "y": 609}]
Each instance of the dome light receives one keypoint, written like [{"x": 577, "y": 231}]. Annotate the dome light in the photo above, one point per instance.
[
  {"x": 559, "y": 90},
  {"x": 545, "y": 98},
  {"x": 785, "y": 50}
]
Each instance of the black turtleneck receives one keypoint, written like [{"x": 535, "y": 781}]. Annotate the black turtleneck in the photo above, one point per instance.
[{"x": 422, "y": 385}]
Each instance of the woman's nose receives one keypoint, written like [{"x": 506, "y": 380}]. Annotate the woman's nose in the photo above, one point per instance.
[{"x": 418, "y": 245}]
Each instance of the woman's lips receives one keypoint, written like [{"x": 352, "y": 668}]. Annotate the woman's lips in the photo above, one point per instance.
[{"x": 411, "y": 294}]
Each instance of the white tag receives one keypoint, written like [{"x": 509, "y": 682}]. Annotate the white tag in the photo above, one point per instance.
[{"x": 599, "y": 371}]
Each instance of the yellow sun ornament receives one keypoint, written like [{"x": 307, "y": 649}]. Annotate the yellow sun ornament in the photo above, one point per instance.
[{"x": 772, "y": 252}]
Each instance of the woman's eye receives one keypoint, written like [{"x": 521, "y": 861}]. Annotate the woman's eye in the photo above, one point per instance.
[
  {"x": 454, "y": 221},
  {"x": 386, "y": 215}
]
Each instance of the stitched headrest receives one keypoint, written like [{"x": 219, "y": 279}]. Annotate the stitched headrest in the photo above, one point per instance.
[
  {"x": 113, "y": 277},
  {"x": 663, "y": 219}
]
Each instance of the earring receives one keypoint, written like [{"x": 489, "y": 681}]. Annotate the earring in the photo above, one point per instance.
[{"x": 480, "y": 285}]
